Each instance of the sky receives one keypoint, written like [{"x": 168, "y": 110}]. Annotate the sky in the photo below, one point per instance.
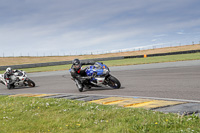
[{"x": 68, "y": 27}]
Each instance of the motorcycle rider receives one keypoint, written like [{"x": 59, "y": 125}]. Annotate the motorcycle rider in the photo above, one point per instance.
[
  {"x": 9, "y": 72},
  {"x": 78, "y": 73}
]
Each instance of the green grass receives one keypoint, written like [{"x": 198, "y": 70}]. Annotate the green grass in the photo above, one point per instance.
[
  {"x": 45, "y": 69},
  {"x": 157, "y": 59},
  {"x": 26, "y": 114},
  {"x": 123, "y": 62}
]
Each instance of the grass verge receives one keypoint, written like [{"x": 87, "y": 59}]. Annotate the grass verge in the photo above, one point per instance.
[
  {"x": 123, "y": 62},
  {"x": 27, "y": 114},
  {"x": 156, "y": 59}
]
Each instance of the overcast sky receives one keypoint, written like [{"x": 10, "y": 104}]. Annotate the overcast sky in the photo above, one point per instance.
[{"x": 38, "y": 27}]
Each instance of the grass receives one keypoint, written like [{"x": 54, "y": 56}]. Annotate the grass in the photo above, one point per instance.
[
  {"x": 45, "y": 69},
  {"x": 157, "y": 59},
  {"x": 27, "y": 114},
  {"x": 123, "y": 62}
]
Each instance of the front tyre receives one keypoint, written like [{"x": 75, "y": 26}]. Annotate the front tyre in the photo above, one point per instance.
[
  {"x": 31, "y": 83},
  {"x": 114, "y": 82}
]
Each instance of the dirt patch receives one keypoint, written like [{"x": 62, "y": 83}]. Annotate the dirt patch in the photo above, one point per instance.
[{"x": 5, "y": 61}]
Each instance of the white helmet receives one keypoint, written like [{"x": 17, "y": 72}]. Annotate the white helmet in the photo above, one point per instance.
[{"x": 9, "y": 70}]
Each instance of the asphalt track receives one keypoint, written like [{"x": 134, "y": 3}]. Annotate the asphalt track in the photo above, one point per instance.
[{"x": 176, "y": 80}]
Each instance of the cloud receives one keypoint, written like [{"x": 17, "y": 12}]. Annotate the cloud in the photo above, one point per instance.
[
  {"x": 63, "y": 25},
  {"x": 180, "y": 33},
  {"x": 161, "y": 35},
  {"x": 154, "y": 40}
]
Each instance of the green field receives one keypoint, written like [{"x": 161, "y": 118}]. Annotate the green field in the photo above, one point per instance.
[
  {"x": 34, "y": 115},
  {"x": 123, "y": 62},
  {"x": 26, "y": 114}
]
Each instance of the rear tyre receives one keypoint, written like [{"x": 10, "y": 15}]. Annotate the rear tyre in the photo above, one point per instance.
[
  {"x": 10, "y": 86},
  {"x": 87, "y": 87},
  {"x": 31, "y": 83},
  {"x": 114, "y": 83}
]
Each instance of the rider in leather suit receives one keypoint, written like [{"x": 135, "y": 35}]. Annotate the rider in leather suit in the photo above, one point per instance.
[
  {"x": 9, "y": 72},
  {"x": 76, "y": 71}
]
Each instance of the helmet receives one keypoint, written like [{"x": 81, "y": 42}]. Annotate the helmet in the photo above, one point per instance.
[
  {"x": 76, "y": 64},
  {"x": 9, "y": 70}
]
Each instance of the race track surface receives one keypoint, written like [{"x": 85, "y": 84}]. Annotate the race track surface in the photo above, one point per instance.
[{"x": 177, "y": 80}]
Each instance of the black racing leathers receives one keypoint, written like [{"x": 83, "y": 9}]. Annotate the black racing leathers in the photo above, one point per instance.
[{"x": 80, "y": 74}]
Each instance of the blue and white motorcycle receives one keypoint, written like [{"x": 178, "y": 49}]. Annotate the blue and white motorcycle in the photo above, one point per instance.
[{"x": 98, "y": 75}]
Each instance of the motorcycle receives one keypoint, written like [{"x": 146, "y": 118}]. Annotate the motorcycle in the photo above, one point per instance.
[
  {"x": 98, "y": 75},
  {"x": 18, "y": 79}
]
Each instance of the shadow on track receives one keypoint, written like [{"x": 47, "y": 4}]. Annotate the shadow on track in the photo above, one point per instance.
[{"x": 20, "y": 88}]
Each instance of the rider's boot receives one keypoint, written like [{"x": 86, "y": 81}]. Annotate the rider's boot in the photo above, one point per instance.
[
  {"x": 2, "y": 82},
  {"x": 79, "y": 85}
]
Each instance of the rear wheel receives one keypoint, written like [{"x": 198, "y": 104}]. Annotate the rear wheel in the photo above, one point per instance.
[
  {"x": 10, "y": 86},
  {"x": 114, "y": 82}
]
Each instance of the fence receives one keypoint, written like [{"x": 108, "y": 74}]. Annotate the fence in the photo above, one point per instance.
[
  {"x": 154, "y": 46},
  {"x": 97, "y": 59}
]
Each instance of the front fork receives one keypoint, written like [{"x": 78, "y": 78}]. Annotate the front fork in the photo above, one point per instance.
[
  {"x": 107, "y": 78},
  {"x": 25, "y": 82}
]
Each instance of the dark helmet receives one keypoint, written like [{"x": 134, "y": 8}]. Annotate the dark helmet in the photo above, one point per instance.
[{"x": 76, "y": 64}]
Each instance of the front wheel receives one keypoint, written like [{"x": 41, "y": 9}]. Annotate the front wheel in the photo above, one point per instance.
[
  {"x": 114, "y": 82},
  {"x": 31, "y": 83}
]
